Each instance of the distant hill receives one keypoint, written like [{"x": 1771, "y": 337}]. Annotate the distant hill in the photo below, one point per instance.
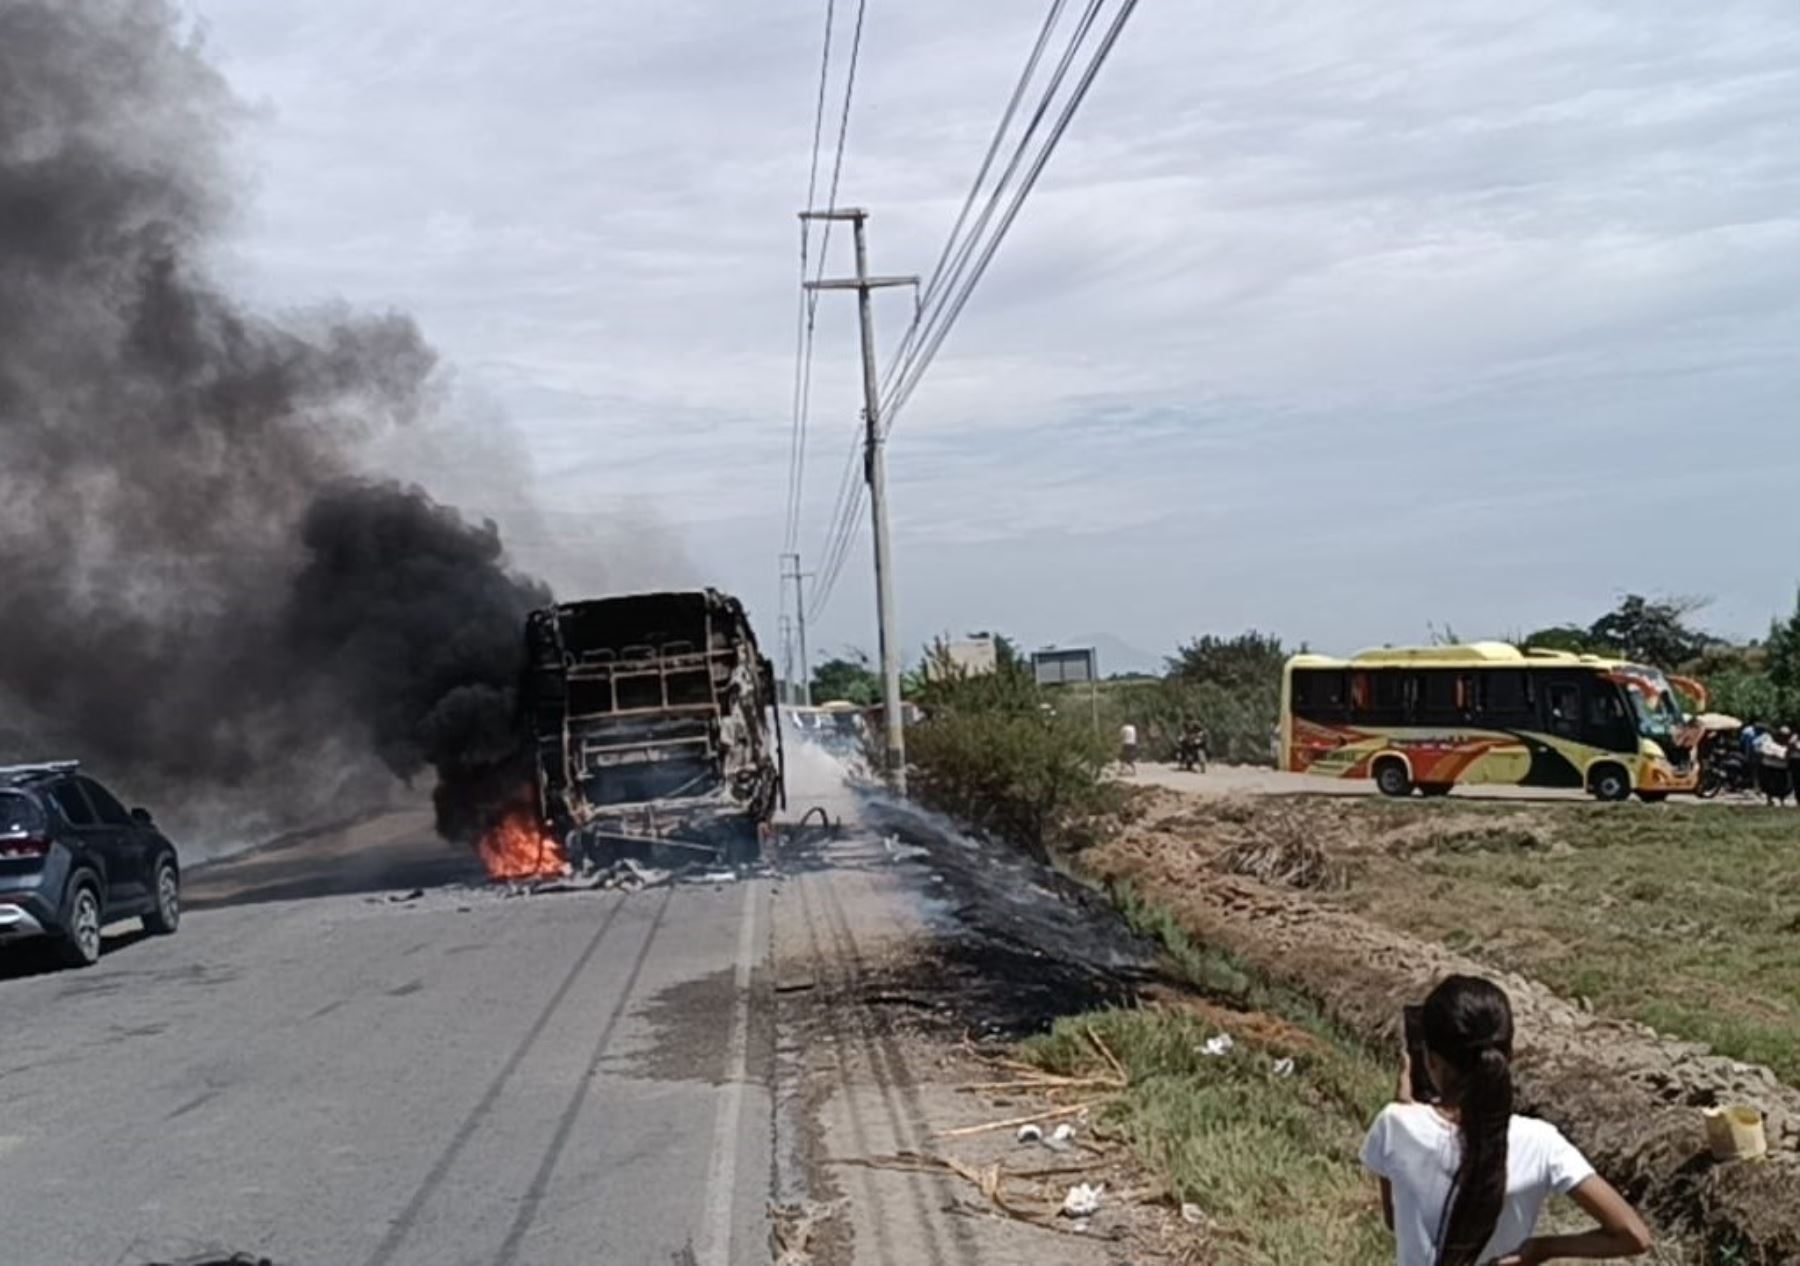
[{"x": 1117, "y": 655}]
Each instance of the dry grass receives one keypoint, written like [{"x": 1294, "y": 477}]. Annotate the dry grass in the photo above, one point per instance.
[
  {"x": 1270, "y": 1160},
  {"x": 1681, "y": 917}
]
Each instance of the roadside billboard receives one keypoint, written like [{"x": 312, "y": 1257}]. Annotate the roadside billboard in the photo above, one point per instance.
[{"x": 1062, "y": 666}]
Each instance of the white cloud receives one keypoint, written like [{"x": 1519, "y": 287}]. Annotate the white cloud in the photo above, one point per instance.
[{"x": 1335, "y": 319}]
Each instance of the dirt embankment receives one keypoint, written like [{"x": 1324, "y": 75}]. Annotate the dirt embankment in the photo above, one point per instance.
[{"x": 1630, "y": 1097}]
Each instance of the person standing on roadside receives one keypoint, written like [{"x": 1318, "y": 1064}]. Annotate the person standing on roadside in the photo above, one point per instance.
[
  {"x": 1794, "y": 766},
  {"x": 1464, "y": 1179},
  {"x": 1774, "y": 774},
  {"x": 1128, "y": 743},
  {"x": 1747, "y": 739}
]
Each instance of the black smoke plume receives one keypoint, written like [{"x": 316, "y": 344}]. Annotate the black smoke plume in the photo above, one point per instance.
[{"x": 204, "y": 599}]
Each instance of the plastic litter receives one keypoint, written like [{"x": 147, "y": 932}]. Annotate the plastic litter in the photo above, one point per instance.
[
  {"x": 1284, "y": 1067},
  {"x": 1062, "y": 1133},
  {"x": 1193, "y": 1215},
  {"x": 1030, "y": 1134},
  {"x": 1083, "y": 1200},
  {"x": 1735, "y": 1132},
  {"x": 1220, "y": 1045}
]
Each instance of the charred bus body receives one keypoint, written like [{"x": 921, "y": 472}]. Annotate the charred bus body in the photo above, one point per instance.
[{"x": 651, "y": 719}]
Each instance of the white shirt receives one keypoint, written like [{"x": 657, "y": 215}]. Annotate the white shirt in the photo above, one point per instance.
[
  {"x": 1417, "y": 1151},
  {"x": 1128, "y": 735}
]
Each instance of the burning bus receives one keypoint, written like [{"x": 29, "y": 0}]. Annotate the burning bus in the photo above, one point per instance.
[{"x": 652, "y": 721}]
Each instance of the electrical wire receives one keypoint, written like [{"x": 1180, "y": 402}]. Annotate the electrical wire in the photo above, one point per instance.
[
  {"x": 803, "y": 325},
  {"x": 837, "y": 165},
  {"x": 954, "y": 291},
  {"x": 934, "y": 279},
  {"x": 951, "y": 261},
  {"x": 844, "y": 522},
  {"x": 954, "y": 282}
]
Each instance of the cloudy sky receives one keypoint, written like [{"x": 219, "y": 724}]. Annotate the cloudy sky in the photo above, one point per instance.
[{"x": 1339, "y": 320}]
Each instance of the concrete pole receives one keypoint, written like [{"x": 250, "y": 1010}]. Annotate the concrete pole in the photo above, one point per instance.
[
  {"x": 875, "y": 471},
  {"x": 798, "y": 576}
]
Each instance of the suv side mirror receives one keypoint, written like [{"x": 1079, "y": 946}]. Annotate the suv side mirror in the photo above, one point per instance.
[{"x": 142, "y": 817}]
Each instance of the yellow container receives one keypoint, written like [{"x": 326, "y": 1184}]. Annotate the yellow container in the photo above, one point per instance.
[{"x": 1736, "y": 1133}]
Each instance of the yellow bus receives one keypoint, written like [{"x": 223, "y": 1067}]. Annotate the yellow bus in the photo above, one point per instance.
[{"x": 1428, "y": 718}]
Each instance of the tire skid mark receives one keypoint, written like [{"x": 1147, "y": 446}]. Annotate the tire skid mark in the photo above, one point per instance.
[
  {"x": 899, "y": 1074},
  {"x": 859, "y": 1135},
  {"x": 892, "y": 1078},
  {"x": 565, "y": 1125},
  {"x": 440, "y": 1169}
]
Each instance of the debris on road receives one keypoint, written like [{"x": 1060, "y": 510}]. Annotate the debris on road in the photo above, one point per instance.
[
  {"x": 794, "y": 1227},
  {"x": 1021, "y": 1195},
  {"x": 623, "y": 875},
  {"x": 1083, "y": 1201},
  {"x": 1049, "y": 1115}
]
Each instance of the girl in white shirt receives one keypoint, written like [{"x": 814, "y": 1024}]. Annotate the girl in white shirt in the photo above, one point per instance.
[{"x": 1463, "y": 1180}]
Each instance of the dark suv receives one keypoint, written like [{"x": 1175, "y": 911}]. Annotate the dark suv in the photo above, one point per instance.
[{"x": 73, "y": 860}]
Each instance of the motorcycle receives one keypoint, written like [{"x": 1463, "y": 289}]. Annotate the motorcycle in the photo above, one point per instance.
[
  {"x": 1726, "y": 771},
  {"x": 1190, "y": 755}
]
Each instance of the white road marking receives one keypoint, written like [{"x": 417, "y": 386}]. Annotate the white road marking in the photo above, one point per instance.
[{"x": 721, "y": 1170}]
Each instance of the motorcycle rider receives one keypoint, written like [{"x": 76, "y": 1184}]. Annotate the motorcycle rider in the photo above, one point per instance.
[{"x": 1191, "y": 747}]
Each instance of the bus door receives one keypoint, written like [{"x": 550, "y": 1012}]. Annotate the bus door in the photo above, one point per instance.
[
  {"x": 1609, "y": 720},
  {"x": 1560, "y": 699}
]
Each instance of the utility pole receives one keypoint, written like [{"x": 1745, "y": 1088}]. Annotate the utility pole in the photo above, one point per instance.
[
  {"x": 787, "y": 657},
  {"x": 800, "y": 622},
  {"x": 875, "y": 473}
]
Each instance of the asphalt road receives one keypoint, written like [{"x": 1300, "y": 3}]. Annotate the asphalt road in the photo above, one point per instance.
[{"x": 314, "y": 1071}]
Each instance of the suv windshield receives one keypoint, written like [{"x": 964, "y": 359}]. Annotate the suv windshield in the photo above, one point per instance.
[{"x": 19, "y": 815}]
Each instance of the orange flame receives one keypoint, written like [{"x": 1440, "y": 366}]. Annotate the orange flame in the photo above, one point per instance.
[{"x": 519, "y": 848}]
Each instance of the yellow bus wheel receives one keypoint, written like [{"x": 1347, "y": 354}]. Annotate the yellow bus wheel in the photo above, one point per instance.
[{"x": 1610, "y": 783}]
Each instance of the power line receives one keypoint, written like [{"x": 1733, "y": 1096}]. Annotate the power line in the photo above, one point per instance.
[
  {"x": 948, "y": 316},
  {"x": 948, "y": 306},
  {"x": 847, "y": 506},
  {"x": 837, "y": 165},
  {"x": 846, "y": 516},
  {"x": 936, "y": 276},
  {"x": 953, "y": 282},
  {"x": 803, "y": 326},
  {"x": 848, "y": 499}
]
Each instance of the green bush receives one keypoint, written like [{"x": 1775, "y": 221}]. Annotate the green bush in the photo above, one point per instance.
[
  {"x": 1751, "y": 697},
  {"x": 1239, "y": 717},
  {"x": 991, "y": 755}
]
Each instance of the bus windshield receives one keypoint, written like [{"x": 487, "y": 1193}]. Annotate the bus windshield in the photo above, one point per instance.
[{"x": 1652, "y": 703}]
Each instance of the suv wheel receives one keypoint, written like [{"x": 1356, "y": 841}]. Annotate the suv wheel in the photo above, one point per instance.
[
  {"x": 80, "y": 943},
  {"x": 165, "y": 916}
]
